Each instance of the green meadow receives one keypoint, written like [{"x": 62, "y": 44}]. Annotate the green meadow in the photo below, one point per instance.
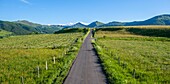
[
  {"x": 134, "y": 55},
  {"x": 42, "y": 58}
]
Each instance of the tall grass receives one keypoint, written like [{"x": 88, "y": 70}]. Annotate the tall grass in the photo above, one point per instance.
[
  {"x": 23, "y": 58},
  {"x": 134, "y": 58}
]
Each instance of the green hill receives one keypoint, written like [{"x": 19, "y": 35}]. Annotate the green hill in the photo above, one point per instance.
[
  {"x": 157, "y": 20},
  {"x": 25, "y": 22},
  {"x": 95, "y": 24},
  {"x": 16, "y": 28},
  {"x": 41, "y": 28},
  {"x": 24, "y": 27},
  {"x": 78, "y": 25}
]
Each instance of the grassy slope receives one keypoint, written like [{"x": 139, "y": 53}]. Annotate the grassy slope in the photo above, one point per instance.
[
  {"x": 4, "y": 33},
  {"x": 131, "y": 58},
  {"x": 25, "y": 27}
]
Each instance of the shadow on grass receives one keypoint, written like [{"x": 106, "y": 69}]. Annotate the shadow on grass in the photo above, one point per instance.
[
  {"x": 150, "y": 32},
  {"x": 109, "y": 29},
  {"x": 72, "y": 30}
]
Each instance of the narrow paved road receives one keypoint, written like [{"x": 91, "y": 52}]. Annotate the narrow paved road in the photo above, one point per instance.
[{"x": 86, "y": 68}]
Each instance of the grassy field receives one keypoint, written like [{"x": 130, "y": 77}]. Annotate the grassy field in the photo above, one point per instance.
[
  {"x": 143, "y": 27},
  {"x": 134, "y": 55},
  {"x": 24, "y": 58},
  {"x": 4, "y": 33}
]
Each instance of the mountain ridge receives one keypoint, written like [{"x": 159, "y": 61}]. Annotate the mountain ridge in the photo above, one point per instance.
[
  {"x": 95, "y": 24},
  {"x": 163, "y": 19},
  {"x": 156, "y": 20},
  {"x": 21, "y": 27}
]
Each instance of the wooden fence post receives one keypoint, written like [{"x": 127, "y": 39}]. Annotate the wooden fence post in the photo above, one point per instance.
[
  {"x": 46, "y": 66},
  {"x": 54, "y": 59},
  {"x": 119, "y": 60},
  {"x": 38, "y": 69},
  {"x": 111, "y": 53},
  {"x": 134, "y": 72},
  {"x": 22, "y": 79},
  {"x": 124, "y": 65}
]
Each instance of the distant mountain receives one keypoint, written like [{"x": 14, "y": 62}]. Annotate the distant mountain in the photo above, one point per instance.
[
  {"x": 157, "y": 20},
  {"x": 78, "y": 25},
  {"x": 24, "y": 27},
  {"x": 25, "y": 22},
  {"x": 81, "y": 25},
  {"x": 16, "y": 28},
  {"x": 41, "y": 28},
  {"x": 114, "y": 23},
  {"x": 95, "y": 24},
  {"x": 21, "y": 27}
]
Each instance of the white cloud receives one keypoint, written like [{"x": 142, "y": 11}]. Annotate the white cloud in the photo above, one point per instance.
[
  {"x": 25, "y": 1},
  {"x": 49, "y": 24},
  {"x": 68, "y": 24},
  {"x": 72, "y": 23}
]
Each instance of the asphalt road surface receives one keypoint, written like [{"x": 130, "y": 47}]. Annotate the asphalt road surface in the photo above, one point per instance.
[{"x": 86, "y": 68}]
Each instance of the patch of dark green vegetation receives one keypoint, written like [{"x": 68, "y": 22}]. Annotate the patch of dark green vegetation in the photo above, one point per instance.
[
  {"x": 72, "y": 30},
  {"x": 108, "y": 29},
  {"x": 150, "y": 32},
  {"x": 136, "y": 38}
]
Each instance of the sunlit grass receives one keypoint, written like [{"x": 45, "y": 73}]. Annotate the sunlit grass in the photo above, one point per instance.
[
  {"x": 4, "y": 33},
  {"x": 134, "y": 58},
  {"x": 21, "y": 55}
]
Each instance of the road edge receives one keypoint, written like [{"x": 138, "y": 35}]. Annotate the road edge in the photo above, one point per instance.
[
  {"x": 100, "y": 61},
  {"x": 77, "y": 54}
]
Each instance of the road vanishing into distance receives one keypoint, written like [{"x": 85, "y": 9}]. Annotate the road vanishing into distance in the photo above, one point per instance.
[{"x": 86, "y": 68}]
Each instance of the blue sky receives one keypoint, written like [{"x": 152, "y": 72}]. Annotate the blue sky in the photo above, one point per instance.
[{"x": 72, "y": 11}]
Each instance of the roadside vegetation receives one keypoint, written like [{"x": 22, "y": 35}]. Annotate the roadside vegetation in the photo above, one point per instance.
[{"x": 134, "y": 54}]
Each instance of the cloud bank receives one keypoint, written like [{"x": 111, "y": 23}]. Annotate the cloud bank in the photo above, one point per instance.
[{"x": 25, "y": 1}]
